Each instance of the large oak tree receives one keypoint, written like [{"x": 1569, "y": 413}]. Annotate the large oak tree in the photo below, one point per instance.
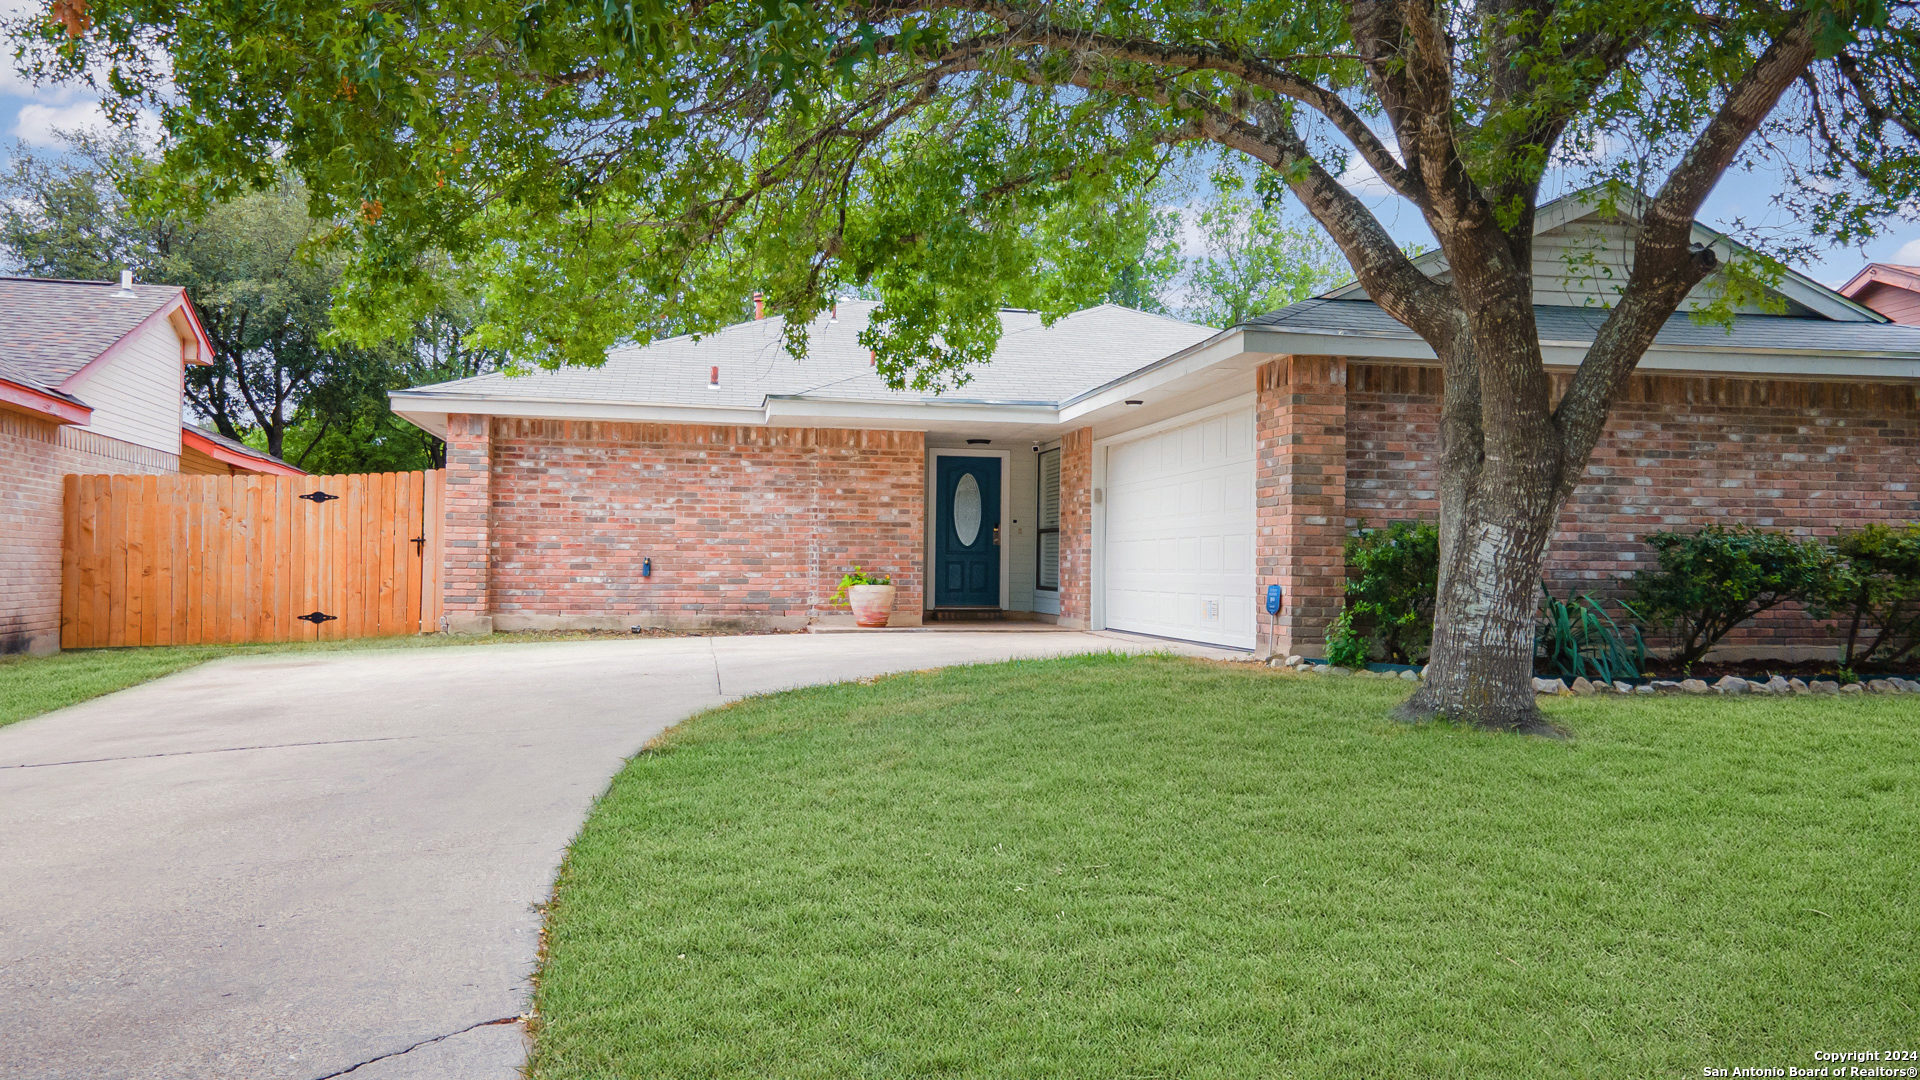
[{"x": 609, "y": 165}]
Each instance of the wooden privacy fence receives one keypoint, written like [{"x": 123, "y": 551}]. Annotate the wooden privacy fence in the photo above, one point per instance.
[{"x": 183, "y": 560}]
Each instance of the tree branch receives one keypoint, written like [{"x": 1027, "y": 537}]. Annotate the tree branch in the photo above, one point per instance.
[
  {"x": 1665, "y": 267},
  {"x": 1267, "y": 75}
]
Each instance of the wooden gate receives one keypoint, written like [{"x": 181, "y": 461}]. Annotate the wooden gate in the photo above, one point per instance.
[{"x": 183, "y": 560}]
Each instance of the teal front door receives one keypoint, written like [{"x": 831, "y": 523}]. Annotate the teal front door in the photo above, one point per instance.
[{"x": 966, "y": 546}]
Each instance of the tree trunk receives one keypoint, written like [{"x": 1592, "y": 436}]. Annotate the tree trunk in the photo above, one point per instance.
[
  {"x": 1480, "y": 670},
  {"x": 1500, "y": 495}
]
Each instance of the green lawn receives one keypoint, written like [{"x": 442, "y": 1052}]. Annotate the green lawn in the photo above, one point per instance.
[
  {"x": 31, "y": 685},
  {"x": 1106, "y": 867}
]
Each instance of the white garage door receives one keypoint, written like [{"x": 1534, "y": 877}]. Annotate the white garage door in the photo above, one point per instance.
[{"x": 1179, "y": 532}]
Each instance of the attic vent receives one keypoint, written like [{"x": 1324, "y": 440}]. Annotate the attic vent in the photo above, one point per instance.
[
  {"x": 713, "y": 377},
  {"x": 126, "y": 283}
]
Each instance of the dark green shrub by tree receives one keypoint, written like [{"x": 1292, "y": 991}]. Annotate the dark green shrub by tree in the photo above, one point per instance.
[
  {"x": 1578, "y": 637},
  {"x": 1711, "y": 581},
  {"x": 1389, "y": 609},
  {"x": 1876, "y": 594}
]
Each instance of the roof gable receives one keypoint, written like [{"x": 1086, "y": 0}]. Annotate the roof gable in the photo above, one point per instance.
[
  {"x": 51, "y": 330},
  {"x": 1583, "y": 252}
]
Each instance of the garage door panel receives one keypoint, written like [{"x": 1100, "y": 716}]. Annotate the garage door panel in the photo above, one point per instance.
[{"x": 1179, "y": 532}]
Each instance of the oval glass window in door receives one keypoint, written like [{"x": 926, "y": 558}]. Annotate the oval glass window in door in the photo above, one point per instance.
[{"x": 966, "y": 509}]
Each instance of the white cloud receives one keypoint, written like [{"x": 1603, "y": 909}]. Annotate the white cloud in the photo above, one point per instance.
[
  {"x": 1908, "y": 255},
  {"x": 39, "y": 123},
  {"x": 1363, "y": 181}
]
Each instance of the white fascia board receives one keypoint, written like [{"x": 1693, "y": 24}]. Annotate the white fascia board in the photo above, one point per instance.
[
  {"x": 906, "y": 416},
  {"x": 1216, "y": 352},
  {"x": 408, "y": 401},
  {"x": 433, "y": 423}
]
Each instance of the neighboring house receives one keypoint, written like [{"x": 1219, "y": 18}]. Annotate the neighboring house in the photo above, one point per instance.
[
  {"x": 1125, "y": 471},
  {"x": 90, "y": 382},
  {"x": 1893, "y": 291}
]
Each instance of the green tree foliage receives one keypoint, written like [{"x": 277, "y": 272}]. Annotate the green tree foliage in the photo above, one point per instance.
[
  {"x": 1711, "y": 581},
  {"x": 1392, "y": 575},
  {"x": 1255, "y": 260},
  {"x": 1876, "y": 595},
  {"x": 280, "y": 378},
  {"x": 600, "y": 167}
]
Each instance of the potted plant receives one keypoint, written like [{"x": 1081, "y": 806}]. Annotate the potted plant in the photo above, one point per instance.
[{"x": 869, "y": 595}]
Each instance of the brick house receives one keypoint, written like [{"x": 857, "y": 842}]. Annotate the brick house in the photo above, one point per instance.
[
  {"x": 1121, "y": 470},
  {"x": 90, "y": 382}
]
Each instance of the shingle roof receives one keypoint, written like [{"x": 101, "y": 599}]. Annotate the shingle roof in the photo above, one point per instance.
[
  {"x": 234, "y": 445},
  {"x": 51, "y": 329},
  {"x": 1033, "y": 363},
  {"x": 1772, "y": 333},
  {"x": 12, "y": 374}
]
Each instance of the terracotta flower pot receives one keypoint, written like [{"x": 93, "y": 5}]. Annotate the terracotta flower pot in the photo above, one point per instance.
[{"x": 871, "y": 604}]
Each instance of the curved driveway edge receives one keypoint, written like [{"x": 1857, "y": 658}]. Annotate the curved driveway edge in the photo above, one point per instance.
[{"x": 313, "y": 865}]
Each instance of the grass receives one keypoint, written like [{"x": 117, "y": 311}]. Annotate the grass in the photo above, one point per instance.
[
  {"x": 32, "y": 685},
  {"x": 1109, "y": 867}
]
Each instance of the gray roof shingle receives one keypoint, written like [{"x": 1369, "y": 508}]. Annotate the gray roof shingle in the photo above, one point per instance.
[
  {"x": 51, "y": 329},
  {"x": 1033, "y": 363},
  {"x": 1577, "y": 324}
]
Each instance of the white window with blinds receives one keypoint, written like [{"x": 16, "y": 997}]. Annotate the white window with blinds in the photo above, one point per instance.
[{"x": 1048, "y": 533}]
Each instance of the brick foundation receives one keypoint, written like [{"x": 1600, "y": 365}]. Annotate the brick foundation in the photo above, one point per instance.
[
  {"x": 35, "y": 456},
  {"x": 1679, "y": 453},
  {"x": 745, "y": 527}
]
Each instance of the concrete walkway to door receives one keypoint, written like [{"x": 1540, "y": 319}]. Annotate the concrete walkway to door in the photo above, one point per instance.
[{"x": 313, "y": 865}]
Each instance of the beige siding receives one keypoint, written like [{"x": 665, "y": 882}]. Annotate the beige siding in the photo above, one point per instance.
[
  {"x": 136, "y": 394},
  {"x": 1585, "y": 263}
]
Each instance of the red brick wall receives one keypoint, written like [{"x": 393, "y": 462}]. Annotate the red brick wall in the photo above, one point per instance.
[
  {"x": 745, "y": 525},
  {"x": 1300, "y": 492},
  {"x": 35, "y": 456},
  {"x": 1679, "y": 453},
  {"x": 1076, "y": 527},
  {"x": 468, "y": 508}
]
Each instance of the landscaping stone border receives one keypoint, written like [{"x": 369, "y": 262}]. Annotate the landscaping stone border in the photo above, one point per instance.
[{"x": 1581, "y": 687}]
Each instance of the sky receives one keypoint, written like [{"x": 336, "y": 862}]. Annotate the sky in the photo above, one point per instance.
[{"x": 33, "y": 115}]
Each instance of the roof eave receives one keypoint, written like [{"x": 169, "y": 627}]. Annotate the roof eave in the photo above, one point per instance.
[
  {"x": 27, "y": 398},
  {"x": 255, "y": 463}
]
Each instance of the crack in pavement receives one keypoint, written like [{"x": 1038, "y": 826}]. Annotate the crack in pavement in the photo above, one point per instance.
[
  {"x": 715, "y": 656},
  {"x": 418, "y": 1045},
  {"x": 216, "y": 750}
]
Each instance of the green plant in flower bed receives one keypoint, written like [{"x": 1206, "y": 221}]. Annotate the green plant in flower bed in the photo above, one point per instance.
[
  {"x": 1577, "y": 637},
  {"x": 1390, "y": 601},
  {"x": 1713, "y": 580},
  {"x": 1876, "y": 595}
]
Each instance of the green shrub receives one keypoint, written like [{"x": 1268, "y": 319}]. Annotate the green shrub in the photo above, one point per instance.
[
  {"x": 1578, "y": 638},
  {"x": 1876, "y": 594},
  {"x": 1713, "y": 580},
  {"x": 1389, "y": 610}
]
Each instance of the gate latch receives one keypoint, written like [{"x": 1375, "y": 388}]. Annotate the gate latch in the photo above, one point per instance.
[
  {"x": 319, "y": 497},
  {"x": 316, "y": 617},
  {"x": 419, "y": 545}
]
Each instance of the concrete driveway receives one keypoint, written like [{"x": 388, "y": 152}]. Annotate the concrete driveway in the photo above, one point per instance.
[{"x": 310, "y": 866}]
